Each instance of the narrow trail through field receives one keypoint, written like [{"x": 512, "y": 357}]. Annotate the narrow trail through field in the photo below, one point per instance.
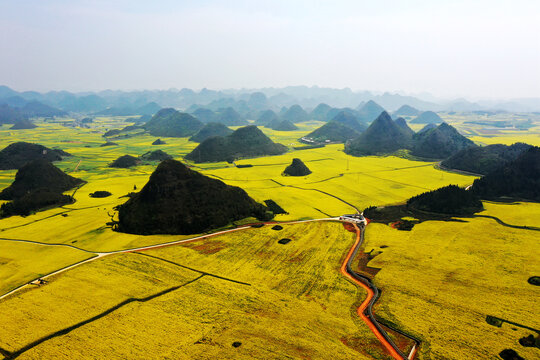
[
  {"x": 365, "y": 310},
  {"x": 192, "y": 269},
  {"x": 77, "y": 167},
  {"x": 499, "y": 221},
  {"x": 322, "y": 192},
  {"x": 457, "y": 171},
  {"x": 47, "y": 244}
]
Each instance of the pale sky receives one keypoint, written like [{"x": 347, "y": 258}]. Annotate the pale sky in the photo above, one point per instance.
[{"x": 478, "y": 49}]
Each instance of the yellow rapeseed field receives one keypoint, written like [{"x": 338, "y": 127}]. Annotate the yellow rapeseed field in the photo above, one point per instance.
[
  {"x": 439, "y": 281},
  {"x": 292, "y": 302},
  {"x": 24, "y": 262},
  {"x": 442, "y": 279}
]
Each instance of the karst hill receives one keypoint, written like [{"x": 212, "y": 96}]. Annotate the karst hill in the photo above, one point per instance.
[{"x": 178, "y": 200}]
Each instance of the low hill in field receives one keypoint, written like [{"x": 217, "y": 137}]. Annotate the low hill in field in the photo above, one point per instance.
[
  {"x": 427, "y": 127},
  {"x": 15, "y": 155},
  {"x": 266, "y": 117},
  {"x": 403, "y": 124},
  {"x": 23, "y": 124},
  {"x": 484, "y": 159},
  {"x": 205, "y": 115},
  {"x": 369, "y": 111},
  {"x": 439, "y": 143},
  {"x": 333, "y": 112},
  {"x": 177, "y": 200},
  {"x": 349, "y": 119},
  {"x": 320, "y": 111},
  {"x": 519, "y": 178},
  {"x": 209, "y": 130},
  {"x": 295, "y": 114},
  {"x": 245, "y": 142},
  {"x": 172, "y": 123},
  {"x": 333, "y": 131},
  {"x": 141, "y": 119},
  {"x": 39, "y": 174},
  {"x": 281, "y": 125},
  {"x": 38, "y": 109},
  {"x": 158, "y": 142},
  {"x": 38, "y": 185},
  {"x": 125, "y": 161},
  {"x": 156, "y": 155},
  {"x": 406, "y": 110},
  {"x": 427, "y": 117},
  {"x": 230, "y": 117},
  {"x": 10, "y": 115},
  {"x": 383, "y": 136},
  {"x": 297, "y": 168},
  {"x": 33, "y": 201}
]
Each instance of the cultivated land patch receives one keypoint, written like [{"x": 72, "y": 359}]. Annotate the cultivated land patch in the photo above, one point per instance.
[
  {"x": 441, "y": 279},
  {"x": 22, "y": 262},
  {"x": 186, "y": 302}
]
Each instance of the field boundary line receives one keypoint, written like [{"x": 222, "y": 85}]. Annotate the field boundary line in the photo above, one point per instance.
[
  {"x": 17, "y": 353},
  {"x": 192, "y": 269}
]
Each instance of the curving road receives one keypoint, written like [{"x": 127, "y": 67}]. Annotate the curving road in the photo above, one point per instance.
[{"x": 365, "y": 310}]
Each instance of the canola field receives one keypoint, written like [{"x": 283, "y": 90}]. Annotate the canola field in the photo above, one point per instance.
[
  {"x": 442, "y": 279},
  {"x": 195, "y": 300},
  {"x": 296, "y": 304}
]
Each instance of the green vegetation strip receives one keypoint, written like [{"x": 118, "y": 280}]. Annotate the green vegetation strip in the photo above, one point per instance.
[{"x": 523, "y": 227}]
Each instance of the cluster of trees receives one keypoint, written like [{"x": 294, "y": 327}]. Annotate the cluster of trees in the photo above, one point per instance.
[
  {"x": 451, "y": 200},
  {"x": 17, "y": 154},
  {"x": 178, "y": 200},
  {"x": 38, "y": 184},
  {"x": 484, "y": 159},
  {"x": 297, "y": 168},
  {"x": 245, "y": 142},
  {"x": 519, "y": 178},
  {"x": 33, "y": 201}
]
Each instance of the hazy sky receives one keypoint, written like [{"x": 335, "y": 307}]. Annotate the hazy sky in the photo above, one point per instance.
[{"x": 488, "y": 49}]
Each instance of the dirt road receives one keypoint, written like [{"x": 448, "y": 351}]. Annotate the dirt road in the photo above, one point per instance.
[{"x": 365, "y": 310}]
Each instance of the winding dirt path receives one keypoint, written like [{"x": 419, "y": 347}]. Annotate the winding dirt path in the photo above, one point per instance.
[{"x": 365, "y": 310}]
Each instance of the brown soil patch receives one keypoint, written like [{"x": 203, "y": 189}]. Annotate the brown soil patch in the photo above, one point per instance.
[
  {"x": 311, "y": 298},
  {"x": 403, "y": 343},
  {"x": 207, "y": 248},
  {"x": 369, "y": 347},
  {"x": 349, "y": 227},
  {"x": 297, "y": 257},
  {"x": 363, "y": 267}
]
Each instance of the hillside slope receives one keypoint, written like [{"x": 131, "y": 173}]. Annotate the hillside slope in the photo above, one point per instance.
[
  {"x": 177, "y": 200},
  {"x": 381, "y": 137},
  {"x": 245, "y": 142}
]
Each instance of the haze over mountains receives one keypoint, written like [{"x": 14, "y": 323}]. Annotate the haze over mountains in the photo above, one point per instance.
[{"x": 117, "y": 102}]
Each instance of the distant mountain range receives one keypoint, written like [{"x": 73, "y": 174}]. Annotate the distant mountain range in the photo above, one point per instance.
[{"x": 248, "y": 102}]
